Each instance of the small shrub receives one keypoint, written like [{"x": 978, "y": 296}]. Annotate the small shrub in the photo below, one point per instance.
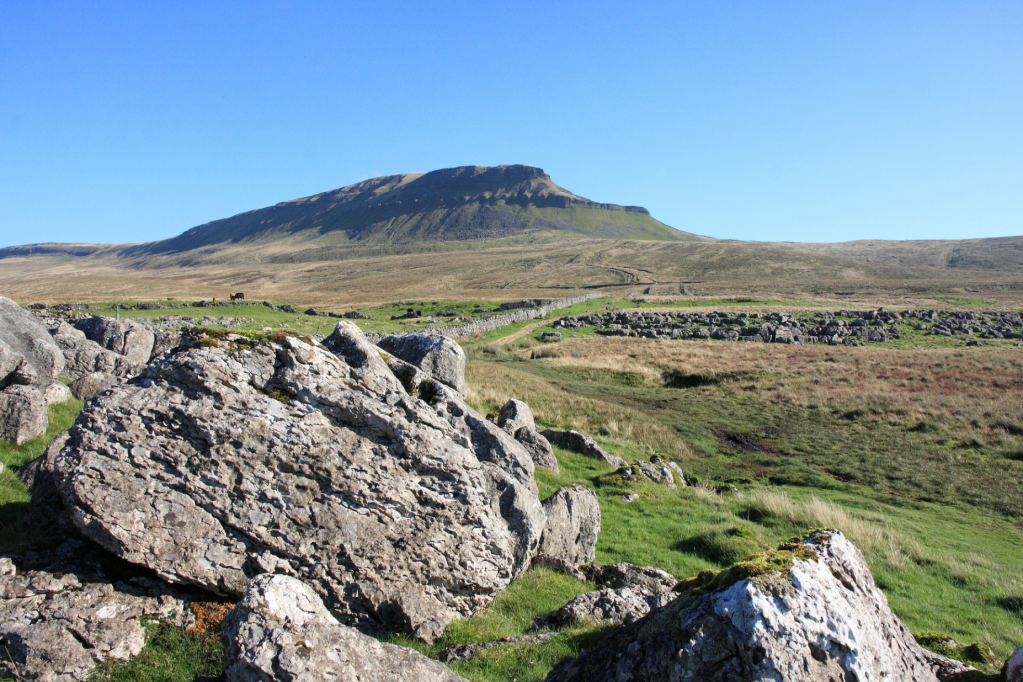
[
  {"x": 542, "y": 353},
  {"x": 209, "y": 616},
  {"x": 208, "y": 342},
  {"x": 280, "y": 395}
]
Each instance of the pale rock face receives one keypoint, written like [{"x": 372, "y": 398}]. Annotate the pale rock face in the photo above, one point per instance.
[
  {"x": 87, "y": 357},
  {"x": 57, "y": 393},
  {"x": 124, "y": 337},
  {"x": 282, "y": 631},
  {"x": 438, "y": 356},
  {"x": 573, "y": 524},
  {"x": 22, "y": 414},
  {"x": 604, "y": 607},
  {"x": 24, "y": 340},
  {"x": 646, "y": 579},
  {"x": 88, "y": 386},
  {"x": 825, "y": 621},
  {"x": 515, "y": 415},
  {"x": 517, "y": 420},
  {"x": 341, "y": 478}
]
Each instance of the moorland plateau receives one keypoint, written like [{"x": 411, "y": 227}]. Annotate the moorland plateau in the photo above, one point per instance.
[{"x": 733, "y": 400}]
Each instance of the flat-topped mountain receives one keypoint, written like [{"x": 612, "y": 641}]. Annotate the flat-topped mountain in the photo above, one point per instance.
[{"x": 468, "y": 202}]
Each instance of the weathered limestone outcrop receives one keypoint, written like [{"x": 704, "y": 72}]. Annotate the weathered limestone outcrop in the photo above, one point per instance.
[
  {"x": 604, "y": 607},
  {"x": 26, "y": 348},
  {"x": 573, "y": 524},
  {"x": 90, "y": 385},
  {"x": 217, "y": 464},
  {"x": 517, "y": 419},
  {"x": 646, "y": 579},
  {"x": 22, "y": 413},
  {"x": 83, "y": 356},
  {"x": 438, "y": 356},
  {"x": 125, "y": 337},
  {"x": 57, "y": 393},
  {"x": 282, "y": 631},
  {"x": 821, "y": 619},
  {"x": 60, "y": 620},
  {"x": 583, "y": 444}
]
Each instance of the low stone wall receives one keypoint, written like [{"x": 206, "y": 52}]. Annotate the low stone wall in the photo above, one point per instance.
[
  {"x": 496, "y": 321},
  {"x": 491, "y": 322}
]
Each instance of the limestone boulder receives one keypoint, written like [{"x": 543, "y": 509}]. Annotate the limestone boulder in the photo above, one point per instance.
[
  {"x": 438, "y": 356},
  {"x": 83, "y": 357},
  {"x": 124, "y": 337},
  {"x": 603, "y": 607},
  {"x": 88, "y": 386},
  {"x": 1013, "y": 671},
  {"x": 645, "y": 579},
  {"x": 515, "y": 415},
  {"x": 583, "y": 444},
  {"x": 517, "y": 420},
  {"x": 26, "y": 343},
  {"x": 573, "y": 525},
  {"x": 57, "y": 393},
  {"x": 60, "y": 621},
  {"x": 22, "y": 413},
  {"x": 281, "y": 630},
  {"x": 165, "y": 340},
  {"x": 217, "y": 465},
  {"x": 824, "y": 619}
]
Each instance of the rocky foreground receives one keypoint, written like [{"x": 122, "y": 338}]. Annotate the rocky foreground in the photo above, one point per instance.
[{"x": 342, "y": 489}]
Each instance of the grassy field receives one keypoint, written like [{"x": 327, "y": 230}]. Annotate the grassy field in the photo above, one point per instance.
[{"x": 915, "y": 453}]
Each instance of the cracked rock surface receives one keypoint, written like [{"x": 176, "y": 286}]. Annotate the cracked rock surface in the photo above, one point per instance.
[
  {"x": 825, "y": 620},
  {"x": 217, "y": 465},
  {"x": 282, "y": 631},
  {"x": 60, "y": 620}
]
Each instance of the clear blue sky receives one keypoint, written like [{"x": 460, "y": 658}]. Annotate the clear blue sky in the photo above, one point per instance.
[{"x": 816, "y": 121}]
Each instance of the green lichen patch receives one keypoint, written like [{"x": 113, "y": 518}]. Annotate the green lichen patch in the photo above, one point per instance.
[{"x": 774, "y": 561}]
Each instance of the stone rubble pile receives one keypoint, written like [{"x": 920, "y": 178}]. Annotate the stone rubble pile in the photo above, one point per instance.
[{"x": 847, "y": 327}]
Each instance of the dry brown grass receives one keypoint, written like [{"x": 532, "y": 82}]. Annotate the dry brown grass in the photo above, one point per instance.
[
  {"x": 974, "y": 393},
  {"x": 490, "y": 385}
]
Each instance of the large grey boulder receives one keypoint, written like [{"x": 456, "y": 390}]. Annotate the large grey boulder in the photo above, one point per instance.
[
  {"x": 438, "y": 356},
  {"x": 603, "y": 607},
  {"x": 517, "y": 420},
  {"x": 60, "y": 621},
  {"x": 490, "y": 442},
  {"x": 1013, "y": 671},
  {"x": 125, "y": 337},
  {"x": 646, "y": 579},
  {"x": 83, "y": 357},
  {"x": 216, "y": 465},
  {"x": 165, "y": 340},
  {"x": 515, "y": 415},
  {"x": 282, "y": 631},
  {"x": 824, "y": 619},
  {"x": 573, "y": 524},
  {"x": 57, "y": 393},
  {"x": 22, "y": 413},
  {"x": 583, "y": 444},
  {"x": 24, "y": 340},
  {"x": 88, "y": 386}
]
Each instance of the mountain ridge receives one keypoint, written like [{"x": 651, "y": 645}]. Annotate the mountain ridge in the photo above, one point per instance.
[{"x": 466, "y": 202}]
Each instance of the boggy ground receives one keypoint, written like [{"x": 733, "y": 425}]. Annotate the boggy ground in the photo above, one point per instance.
[{"x": 916, "y": 454}]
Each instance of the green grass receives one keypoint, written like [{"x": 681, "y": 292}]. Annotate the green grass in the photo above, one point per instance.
[
  {"x": 960, "y": 300},
  {"x": 14, "y": 498},
  {"x": 171, "y": 654}
]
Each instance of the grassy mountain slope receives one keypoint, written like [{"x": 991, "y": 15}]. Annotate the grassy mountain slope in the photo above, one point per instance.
[
  {"x": 470, "y": 202},
  {"x": 1003, "y": 254}
]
